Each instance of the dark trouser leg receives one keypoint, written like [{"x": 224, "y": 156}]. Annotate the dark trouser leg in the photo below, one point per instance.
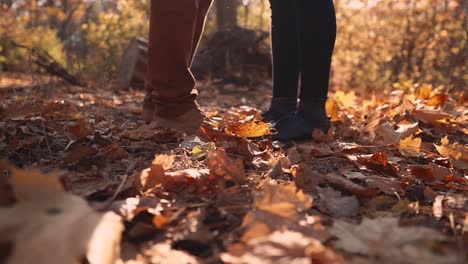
[
  {"x": 316, "y": 27},
  {"x": 284, "y": 48},
  {"x": 317, "y": 34},
  {"x": 285, "y": 60},
  {"x": 175, "y": 29}
]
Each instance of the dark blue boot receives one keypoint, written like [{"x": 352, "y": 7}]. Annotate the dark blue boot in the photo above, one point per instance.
[
  {"x": 311, "y": 115},
  {"x": 280, "y": 108}
]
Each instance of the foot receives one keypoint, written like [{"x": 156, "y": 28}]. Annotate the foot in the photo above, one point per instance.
[
  {"x": 297, "y": 128},
  {"x": 189, "y": 122},
  {"x": 279, "y": 109}
]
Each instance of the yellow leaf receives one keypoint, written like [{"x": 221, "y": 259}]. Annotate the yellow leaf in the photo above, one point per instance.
[
  {"x": 457, "y": 153},
  {"x": 333, "y": 110},
  {"x": 250, "y": 129},
  {"x": 410, "y": 147},
  {"x": 346, "y": 99}
]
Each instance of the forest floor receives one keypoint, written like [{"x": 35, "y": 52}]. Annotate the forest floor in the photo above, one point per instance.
[{"x": 388, "y": 184}]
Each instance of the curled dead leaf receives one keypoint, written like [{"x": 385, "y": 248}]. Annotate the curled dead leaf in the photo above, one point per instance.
[
  {"x": 225, "y": 168},
  {"x": 45, "y": 220},
  {"x": 251, "y": 129},
  {"x": 81, "y": 129},
  {"x": 457, "y": 153}
]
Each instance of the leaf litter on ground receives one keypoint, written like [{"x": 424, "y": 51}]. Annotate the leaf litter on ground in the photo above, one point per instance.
[{"x": 229, "y": 193}]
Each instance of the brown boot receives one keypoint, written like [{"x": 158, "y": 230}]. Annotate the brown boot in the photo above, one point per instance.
[{"x": 189, "y": 122}]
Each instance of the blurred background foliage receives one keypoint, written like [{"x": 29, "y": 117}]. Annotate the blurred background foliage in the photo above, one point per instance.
[{"x": 381, "y": 43}]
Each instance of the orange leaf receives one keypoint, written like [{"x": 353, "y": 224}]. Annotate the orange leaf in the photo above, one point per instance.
[{"x": 252, "y": 129}]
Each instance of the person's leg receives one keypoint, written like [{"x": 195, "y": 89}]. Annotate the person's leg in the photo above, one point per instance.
[
  {"x": 316, "y": 23},
  {"x": 203, "y": 8},
  {"x": 285, "y": 60},
  {"x": 174, "y": 34},
  {"x": 317, "y": 30}
]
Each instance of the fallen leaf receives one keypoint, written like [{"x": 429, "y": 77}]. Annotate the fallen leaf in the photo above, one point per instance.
[
  {"x": 164, "y": 253},
  {"x": 457, "y": 154},
  {"x": 386, "y": 185},
  {"x": 429, "y": 173},
  {"x": 279, "y": 206},
  {"x": 346, "y": 99},
  {"x": 337, "y": 204},
  {"x": 379, "y": 162},
  {"x": 430, "y": 116},
  {"x": 200, "y": 151},
  {"x": 347, "y": 185},
  {"x": 43, "y": 224},
  {"x": 410, "y": 147},
  {"x": 437, "y": 100},
  {"x": 306, "y": 178},
  {"x": 283, "y": 246},
  {"x": 156, "y": 174},
  {"x": 383, "y": 239},
  {"x": 81, "y": 129},
  {"x": 114, "y": 152},
  {"x": 333, "y": 110},
  {"x": 78, "y": 153},
  {"x": 251, "y": 129},
  {"x": 224, "y": 167}
]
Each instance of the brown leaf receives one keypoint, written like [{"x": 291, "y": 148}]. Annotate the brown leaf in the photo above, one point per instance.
[
  {"x": 156, "y": 174},
  {"x": 389, "y": 186},
  {"x": 347, "y": 185},
  {"x": 223, "y": 167},
  {"x": 78, "y": 153},
  {"x": 81, "y": 129},
  {"x": 431, "y": 172},
  {"x": 379, "y": 162},
  {"x": 45, "y": 220},
  {"x": 338, "y": 205},
  {"x": 282, "y": 246},
  {"x": 275, "y": 207},
  {"x": 382, "y": 238},
  {"x": 251, "y": 129},
  {"x": 305, "y": 178},
  {"x": 430, "y": 116},
  {"x": 114, "y": 152}
]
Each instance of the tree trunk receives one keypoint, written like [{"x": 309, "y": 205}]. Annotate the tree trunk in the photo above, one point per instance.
[{"x": 226, "y": 13}]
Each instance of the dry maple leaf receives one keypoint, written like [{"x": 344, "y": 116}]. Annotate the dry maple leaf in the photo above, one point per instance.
[
  {"x": 457, "y": 154},
  {"x": 156, "y": 174},
  {"x": 379, "y": 162},
  {"x": 384, "y": 239},
  {"x": 78, "y": 153},
  {"x": 253, "y": 129},
  {"x": 48, "y": 226},
  {"x": 343, "y": 183},
  {"x": 430, "y": 116},
  {"x": 279, "y": 206},
  {"x": 81, "y": 129},
  {"x": 225, "y": 168},
  {"x": 282, "y": 246},
  {"x": 336, "y": 204},
  {"x": 410, "y": 147}
]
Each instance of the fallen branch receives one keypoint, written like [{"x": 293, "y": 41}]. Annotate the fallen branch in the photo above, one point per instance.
[{"x": 50, "y": 65}]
